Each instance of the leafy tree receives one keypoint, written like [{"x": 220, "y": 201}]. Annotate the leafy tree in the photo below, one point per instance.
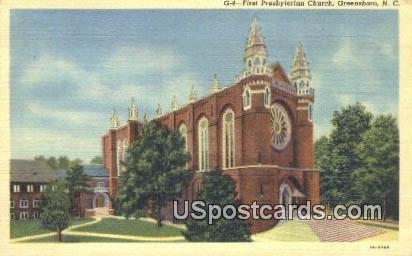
[
  {"x": 155, "y": 172},
  {"x": 76, "y": 182},
  {"x": 52, "y": 162},
  {"x": 96, "y": 160},
  {"x": 63, "y": 162},
  {"x": 377, "y": 178},
  {"x": 54, "y": 213},
  {"x": 336, "y": 156},
  {"x": 40, "y": 158},
  {"x": 217, "y": 189}
]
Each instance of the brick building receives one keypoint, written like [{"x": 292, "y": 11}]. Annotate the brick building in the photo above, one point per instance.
[
  {"x": 28, "y": 181},
  {"x": 259, "y": 130}
]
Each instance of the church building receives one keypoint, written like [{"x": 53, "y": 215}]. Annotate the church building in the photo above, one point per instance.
[{"x": 259, "y": 130}]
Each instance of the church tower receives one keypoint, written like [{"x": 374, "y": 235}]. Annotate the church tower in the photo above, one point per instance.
[{"x": 300, "y": 73}]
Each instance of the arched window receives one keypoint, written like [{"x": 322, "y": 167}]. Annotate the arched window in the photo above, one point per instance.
[
  {"x": 246, "y": 99},
  {"x": 228, "y": 139},
  {"x": 118, "y": 156},
  {"x": 257, "y": 62},
  {"x": 249, "y": 63},
  {"x": 310, "y": 112},
  {"x": 267, "y": 97},
  {"x": 124, "y": 150},
  {"x": 183, "y": 132},
  {"x": 203, "y": 135}
]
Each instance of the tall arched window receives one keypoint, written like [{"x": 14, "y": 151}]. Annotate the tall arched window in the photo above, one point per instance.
[
  {"x": 183, "y": 132},
  {"x": 246, "y": 99},
  {"x": 267, "y": 97},
  {"x": 118, "y": 156},
  {"x": 124, "y": 150},
  {"x": 310, "y": 112},
  {"x": 228, "y": 139},
  {"x": 203, "y": 135}
]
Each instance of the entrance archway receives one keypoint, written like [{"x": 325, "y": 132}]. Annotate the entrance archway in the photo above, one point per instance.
[
  {"x": 285, "y": 194},
  {"x": 101, "y": 200}
]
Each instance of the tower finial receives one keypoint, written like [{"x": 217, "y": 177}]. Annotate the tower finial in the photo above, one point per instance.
[
  {"x": 145, "y": 118},
  {"x": 173, "y": 106},
  {"x": 133, "y": 110},
  {"x": 114, "y": 119},
  {"x": 214, "y": 88},
  {"x": 158, "y": 110},
  {"x": 192, "y": 95}
]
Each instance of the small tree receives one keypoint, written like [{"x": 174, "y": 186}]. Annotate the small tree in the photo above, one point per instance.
[
  {"x": 76, "y": 182},
  {"x": 96, "y": 160},
  {"x": 218, "y": 189},
  {"x": 155, "y": 172},
  {"x": 54, "y": 213}
]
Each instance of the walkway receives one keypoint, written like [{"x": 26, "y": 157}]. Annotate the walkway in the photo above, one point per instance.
[{"x": 341, "y": 230}]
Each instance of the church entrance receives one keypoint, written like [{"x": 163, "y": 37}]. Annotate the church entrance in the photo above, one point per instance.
[
  {"x": 285, "y": 194},
  {"x": 101, "y": 200}
]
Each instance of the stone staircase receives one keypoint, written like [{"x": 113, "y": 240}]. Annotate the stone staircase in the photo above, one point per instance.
[
  {"x": 341, "y": 230},
  {"x": 102, "y": 212}
]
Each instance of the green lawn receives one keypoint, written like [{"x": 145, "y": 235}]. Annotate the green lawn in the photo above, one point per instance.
[
  {"x": 132, "y": 227},
  {"x": 78, "y": 239},
  {"x": 21, "y": 228},
  {"x": 292, "y": 230},
  {"x": 390, "y": 231}
]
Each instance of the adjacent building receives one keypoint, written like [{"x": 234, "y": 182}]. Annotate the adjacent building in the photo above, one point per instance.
[
  {"x": 28, "y": 182},
  {"x": 259, "y": 130}
]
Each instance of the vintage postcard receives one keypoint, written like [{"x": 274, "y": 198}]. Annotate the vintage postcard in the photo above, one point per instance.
[{"x": 243, "y": 127}]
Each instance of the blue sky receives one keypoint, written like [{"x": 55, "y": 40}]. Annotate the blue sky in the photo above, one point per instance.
[{"x": 69, "y": 68}]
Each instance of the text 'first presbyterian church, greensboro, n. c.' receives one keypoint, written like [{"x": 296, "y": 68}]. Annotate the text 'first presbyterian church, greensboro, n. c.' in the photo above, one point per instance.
[{"x": 258, "y": 130}]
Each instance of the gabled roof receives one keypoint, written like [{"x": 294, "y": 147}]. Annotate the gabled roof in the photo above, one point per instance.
[
  {"x": 92, "y": 170},
  {"x": 31, "y": 171}
]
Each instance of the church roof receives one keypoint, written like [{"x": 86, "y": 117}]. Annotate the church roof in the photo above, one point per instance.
[{"x": 92, "y": 170}]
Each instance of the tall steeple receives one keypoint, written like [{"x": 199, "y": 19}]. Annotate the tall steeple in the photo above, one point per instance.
[
  {"x": 158, "y": 110},
  {"x": 173, "y": 106},
  {"x": 133, "y": 110},
  {"x": 114, "y": 120},
  {"x": 193, "y": 95},
  {"x": 300, "y": 73},
  {"x": 214, "y": 87},
  {"x": 255, "y": 52}
]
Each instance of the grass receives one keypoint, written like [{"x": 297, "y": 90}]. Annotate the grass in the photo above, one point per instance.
[
  {"x": 132, "y": 227},
  {"x": 290, "y": 231},
  {"x": 21, "y": 228},
  {"x": 78, "y": 239},
  {"x": 389, "y": 233}
]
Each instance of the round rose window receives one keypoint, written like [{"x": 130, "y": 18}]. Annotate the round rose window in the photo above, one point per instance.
[{"x": 281, "y": 128}]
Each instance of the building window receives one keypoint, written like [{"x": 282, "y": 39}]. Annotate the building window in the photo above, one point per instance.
[
  {"x": 12, "y": 204},
  {"x": 12, "y": 216},
  {"x": 35, "y": 215},
  {"x": 24, "y": 215},
  {"x": 100, "y": 184},
  {"x": 183, "y": 132},
  {"x": 24, "y": 203},
  {"x": 267, "y": 97},
  {"x": 119, "y": 156},
  {"x": 124, "y": 151},
  {"x": 29, "y": 188},
  {"x": 228, "y": 139},
  {"x": 203, "y": 144},
  {"x": 36, "y": 203},
  {"x": 310, "y": 112},
  {"x": 16, "y": 188},
  {"x": 246, "y": 99},
  {"x": 42, "y": 188}
]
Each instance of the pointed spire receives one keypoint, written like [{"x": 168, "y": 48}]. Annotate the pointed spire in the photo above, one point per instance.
[
  {"x": 214, "y": 88},
  {"x": 158, "y": 110},
  {"x": 173, "y": 106},
  {"x": 300, "y": 66},
  {"x": 145, "y": 118},
  {"x": 255, "y": 52},
  {"x": 193, "y": 95},
  {"x": 114, "y": 120},
  {"x": 133, "y": 110}
]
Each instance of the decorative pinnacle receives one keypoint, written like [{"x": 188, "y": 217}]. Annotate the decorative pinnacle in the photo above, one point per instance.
[
  {"x": 133, "y": 110},
  {"x": 192, "y": 95},
  {"x": 145, "y": 118},
  {"x": 158, "y": 110},
  {"x": 173, "y": 106},
  {"x": 214, "y": 88},
  {"x": 114, "y": 120}
]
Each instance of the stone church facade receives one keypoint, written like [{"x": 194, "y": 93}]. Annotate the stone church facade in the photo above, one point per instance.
[{"x": 259, "y": 130}]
